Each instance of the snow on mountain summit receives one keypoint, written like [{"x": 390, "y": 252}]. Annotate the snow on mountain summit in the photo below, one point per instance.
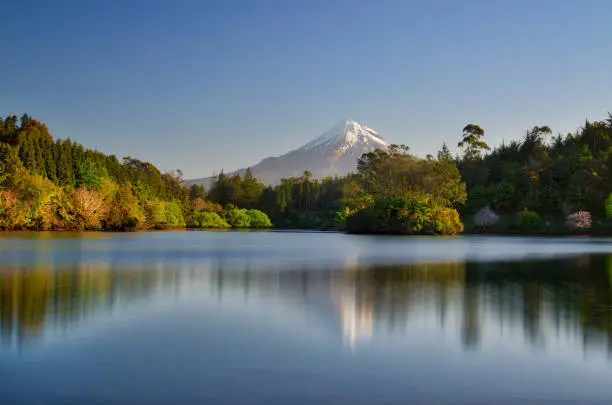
[
  {"x": 345, "y": 135},
  {"x": 334, "y": 153}
]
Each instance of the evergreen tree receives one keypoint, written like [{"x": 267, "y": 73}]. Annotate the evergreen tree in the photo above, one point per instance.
[
  {"x": 9, "y": 163},
  {"x": 65, "y": 172},
  {"x": 27, "y": 153},
  {"x": 50, "y": 162},
  {"x": 444, "y": 154},
  {"x": 88, "y": 175},
  {"x": 252, "y": 189},
  {"x": 197, "y": 191}
]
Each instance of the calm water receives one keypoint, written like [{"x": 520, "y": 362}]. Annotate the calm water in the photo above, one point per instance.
[{"x": 303, "y": 318}]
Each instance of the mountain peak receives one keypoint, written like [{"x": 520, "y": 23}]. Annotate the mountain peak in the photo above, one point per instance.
[
  {"x": 345, "y": 135},
  {"x": 331, "y": 154},
  {"x": 349, "y": 123}
]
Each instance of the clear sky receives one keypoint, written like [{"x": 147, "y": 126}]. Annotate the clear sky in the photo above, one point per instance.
[{"x": 209, "y": 84}]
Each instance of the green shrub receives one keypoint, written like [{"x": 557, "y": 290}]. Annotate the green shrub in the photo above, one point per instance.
[
  {"x": 160, "y": 214},
  {"x": 258, "y": 219},
  {"x": 528, "y": 221},
  {"x": 342, "y": 216},
  {"x": 208, "y": 220},
  {"x": 155, "y": 212},
  {"x": 405, "y": 216},
  {"x": 237, "y": 217},
  {"x": 125, "y": 212},
  {"x": 173, "y": 214}
]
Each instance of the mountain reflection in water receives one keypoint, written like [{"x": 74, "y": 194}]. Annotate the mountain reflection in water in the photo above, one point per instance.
[{"x": 542, "y": 300}]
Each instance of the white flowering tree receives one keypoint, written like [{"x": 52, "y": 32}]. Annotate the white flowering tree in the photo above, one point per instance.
[
  {"x": 579, "y": 220},
  {"x": 485, "y": 217}
]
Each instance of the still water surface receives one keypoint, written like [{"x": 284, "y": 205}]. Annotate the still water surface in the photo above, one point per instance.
[{"x": 303, "y": 318}]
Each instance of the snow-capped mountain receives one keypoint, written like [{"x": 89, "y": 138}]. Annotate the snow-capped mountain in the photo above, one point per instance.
[
  {"x": 345, "y": 136},
  {"x": 333, "y": 153}
]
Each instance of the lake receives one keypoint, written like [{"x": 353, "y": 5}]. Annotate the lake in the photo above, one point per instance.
[{"x": 303, "y": 318}]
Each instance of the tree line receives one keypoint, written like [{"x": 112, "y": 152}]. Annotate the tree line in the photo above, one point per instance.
[
  {"x": 391, "y": 192},
  {"x": 60, "y": 184},
  {"x": 538, "y": 183}
]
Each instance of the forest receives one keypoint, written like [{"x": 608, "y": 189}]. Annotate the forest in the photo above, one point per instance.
[
  {"x": 538, "y": 183},
  {"x": 48, "y": 184}
]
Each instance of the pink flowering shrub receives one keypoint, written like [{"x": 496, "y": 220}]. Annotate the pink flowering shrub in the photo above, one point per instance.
[{"x": 579, "y": 220}]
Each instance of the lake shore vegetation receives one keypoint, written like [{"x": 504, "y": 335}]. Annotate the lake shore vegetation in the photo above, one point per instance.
[
  {"x": 56, "y": 184},
  {"x": 538, "y": 184}
]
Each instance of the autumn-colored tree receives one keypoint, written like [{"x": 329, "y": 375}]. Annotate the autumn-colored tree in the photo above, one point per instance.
[{"x": 91, "y": 207}]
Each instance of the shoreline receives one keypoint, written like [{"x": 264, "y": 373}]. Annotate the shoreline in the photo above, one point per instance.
[{"x": 311, "y": 230}]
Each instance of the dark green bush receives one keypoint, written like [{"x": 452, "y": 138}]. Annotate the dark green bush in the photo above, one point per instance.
[
  {"x": 405, "y": 216},
  {"x": 528, "y": 221},
  {"x": 237, "y": 217}
]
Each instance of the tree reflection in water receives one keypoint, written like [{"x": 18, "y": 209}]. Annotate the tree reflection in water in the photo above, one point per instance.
[{"x": 541, "y": 299}]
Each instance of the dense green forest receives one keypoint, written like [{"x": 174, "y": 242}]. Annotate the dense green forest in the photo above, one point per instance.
[
  {"x": 537, "y": 183},
  {"x": 540, "y": 182},
  {"x": 59, "y": 184}
]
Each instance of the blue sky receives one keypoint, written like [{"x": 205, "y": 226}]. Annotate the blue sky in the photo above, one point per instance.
[{"x": 219, "y": 84}]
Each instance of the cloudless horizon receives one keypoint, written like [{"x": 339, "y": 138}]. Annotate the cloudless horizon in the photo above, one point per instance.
[{"x": 208, "y": 85}]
